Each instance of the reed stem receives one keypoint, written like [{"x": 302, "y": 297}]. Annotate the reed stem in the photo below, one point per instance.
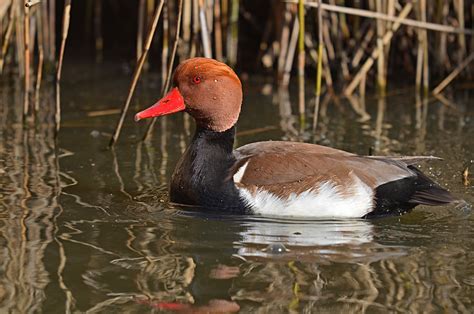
[
  {"x": 167, "y": 84},
  {"x": 385, "y": 17},
  {"x": 301, "y": 63},
  {"x": 194, "y": 43},
  {"x": 137, "y": 72},
  {"x": 45, "y": 29},
  {"x": 8, "y": 33},
  {"x": 39, "y": 72},
  {"x": 284, "y": 40},
  {"x": 206, "y": 42},
  {"x": 319, "y": 69},
  {"x": 166, "y": 45},
  {"x": 29, "y": 4},
  {"x": 141, "y": 26},
  {"x": 459, "y": 4},
  {"x": 20, "y": 38},
  {"x": 26, "y": 30},
  {"x": 52, "y": 30},
  {"x": 234, "y": 33},
  {"x": 375, "y": 54},
  {"x": 453, "y": 74},
  {"x": 218, "y": 30},
  {"x": 99, "y": 41},
  {"x": 291, "y": 53},
  {"x": 381, "y": 83},
  {"x": 64, "y": 33},
  {"x": 185, "y": 48},
  {"x": 362, "y": 48},
  {"x": 419, "y": 61},
  {"x": 426, "y": 78}
]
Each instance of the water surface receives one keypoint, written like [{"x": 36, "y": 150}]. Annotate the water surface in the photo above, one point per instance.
[{"x": 83, "y": 228}]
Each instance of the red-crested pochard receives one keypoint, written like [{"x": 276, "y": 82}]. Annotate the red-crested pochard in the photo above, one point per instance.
[{"x": 277, "y": 177}]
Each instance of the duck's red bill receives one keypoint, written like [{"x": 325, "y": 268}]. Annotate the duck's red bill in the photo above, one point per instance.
[{"x": 171, "y": 103}]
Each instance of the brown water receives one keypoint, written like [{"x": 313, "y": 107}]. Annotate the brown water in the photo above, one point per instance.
[{"x": 83, "y": 228}]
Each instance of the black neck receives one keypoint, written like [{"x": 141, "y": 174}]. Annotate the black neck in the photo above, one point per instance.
[
  {"x": 202, "y": 175},
  {"x": 218, "y": 140}
]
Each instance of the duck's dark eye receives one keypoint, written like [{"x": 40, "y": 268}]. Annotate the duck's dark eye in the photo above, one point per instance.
[{"x": 196, "y": 79}]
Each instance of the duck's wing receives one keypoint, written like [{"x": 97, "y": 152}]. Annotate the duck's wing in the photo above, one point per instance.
[
  {"x": 409, "y": 160},
  {"x": 277, "y": 162},
  {"x": 286, "y": 169}
]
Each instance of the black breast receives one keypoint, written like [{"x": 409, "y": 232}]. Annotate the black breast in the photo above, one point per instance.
[{"x": 201, "y": 176}]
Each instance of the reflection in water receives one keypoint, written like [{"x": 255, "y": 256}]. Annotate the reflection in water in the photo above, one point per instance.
[
  {"x": 421, "y": 115},
  {"x": 315, "y": 237},
  {"x": 29, "y": 188},
  {"x": 176, "y": 271},
  {"x": 85, "y": 229},
  {"x": 358, "y": 105}
]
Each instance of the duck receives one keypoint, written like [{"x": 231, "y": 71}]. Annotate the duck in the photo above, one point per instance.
[{"x": 278, "y": 178}]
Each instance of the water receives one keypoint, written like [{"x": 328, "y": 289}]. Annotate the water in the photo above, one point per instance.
[{"x": 83, "y": 228}]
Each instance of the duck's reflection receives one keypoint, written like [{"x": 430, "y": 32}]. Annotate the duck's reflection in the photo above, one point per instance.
[
  {"x": 292, "y": 238},
  {"x": 216, "y": 262}
]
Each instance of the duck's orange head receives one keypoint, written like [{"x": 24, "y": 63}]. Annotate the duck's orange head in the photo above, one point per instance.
[{"x": 207, "y": 89}]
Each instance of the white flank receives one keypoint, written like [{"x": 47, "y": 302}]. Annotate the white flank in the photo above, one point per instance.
[
  {"x": 325, "y": 201},
  {"x": 240, "y": 173}
]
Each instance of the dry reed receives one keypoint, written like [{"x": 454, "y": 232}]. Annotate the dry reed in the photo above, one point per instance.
[
  {"x": 29, "y": 4},
  {"x": 351, "y": 42},
  {"x": 26, "y": 29},
  {"x": 218, "y": 31},
  {"x": 64, "y": 33},
  {"x": 388, "y": 18},
  {"x": 136, "y": 74},
  {"x": 375, "y": 54},
  {"x": 301, "y": 62},
  {"x": 381, "y": 84},
  {"x": 39, "y": 72},
  {"x": 98, "y": 40},
  {"x": 206, "y": 41},
  {"x": 232, "y": 38},
  {"x": 51, "y": 32},
  {"x": 7, "y": 36},
  {"x": 319, "y": 66},
  {"x": 424, "y": 33},
  {"x": 288, "y": 65},
  {"x": 453, "y": 74},
  {"x": 167, "y": 83},
  {"x": 140, "y": 28}
]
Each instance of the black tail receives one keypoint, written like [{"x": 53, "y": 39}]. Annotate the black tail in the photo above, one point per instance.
[{"x": 400, "y": 196}]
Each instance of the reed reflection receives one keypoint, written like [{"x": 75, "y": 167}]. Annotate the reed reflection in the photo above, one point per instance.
[{"x": 31, "y": 184}]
